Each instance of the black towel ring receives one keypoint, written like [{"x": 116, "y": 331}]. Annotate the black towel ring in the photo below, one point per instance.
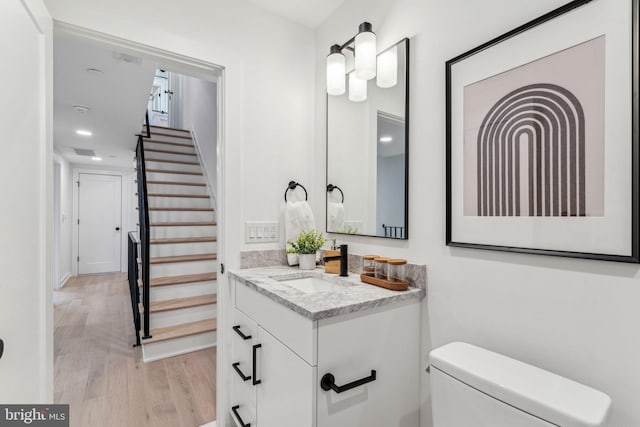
[
  {"x": 332, "y": 187},
  {"x": 292, "y": 186}
]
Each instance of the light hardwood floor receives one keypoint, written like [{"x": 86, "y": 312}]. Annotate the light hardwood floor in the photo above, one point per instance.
[{"x": 102, "y": 377}]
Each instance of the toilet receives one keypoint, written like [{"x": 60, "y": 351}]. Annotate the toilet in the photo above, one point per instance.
[{"x": 471, "y": 386}]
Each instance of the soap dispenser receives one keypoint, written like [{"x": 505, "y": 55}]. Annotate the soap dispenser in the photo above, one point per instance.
[{"x": 332, "y": 267}]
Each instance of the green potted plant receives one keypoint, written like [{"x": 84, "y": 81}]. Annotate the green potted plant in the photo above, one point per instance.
[{"x": 306, "y": 246}]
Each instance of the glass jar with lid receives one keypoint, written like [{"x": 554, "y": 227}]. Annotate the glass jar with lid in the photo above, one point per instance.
[
  {"x": 368, "y": 265},
  {"x": 381, "y": 268},
  {"x": 397, "y": 270}
]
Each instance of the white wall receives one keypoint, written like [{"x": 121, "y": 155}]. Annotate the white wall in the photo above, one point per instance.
[
  {"x": 66, "y": 211},
  {"x": 200, "y": 115},
  {"x": 267, "y": 94},
  {"x": 575, "y": 318},
  {"x": 26, "y": 287}
]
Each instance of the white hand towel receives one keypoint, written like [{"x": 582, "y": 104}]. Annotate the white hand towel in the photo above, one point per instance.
[
  {"x": 335, "y": 217},
  {"x": 298, "y": 217}
]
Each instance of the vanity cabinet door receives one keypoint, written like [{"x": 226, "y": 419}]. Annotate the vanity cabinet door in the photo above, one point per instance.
[
  {"x": 286, "y": 393},
  {"x": 244, "y": 335},
  {"x": 384, "y": 339}
]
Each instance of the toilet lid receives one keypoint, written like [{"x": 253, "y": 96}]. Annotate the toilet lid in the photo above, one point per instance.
[{"x": 546, "y": 395}]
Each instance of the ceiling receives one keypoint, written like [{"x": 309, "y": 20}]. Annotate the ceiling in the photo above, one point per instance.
[
  {"x": 310, "y": 13},
  {"x": 117, "y": 98}
]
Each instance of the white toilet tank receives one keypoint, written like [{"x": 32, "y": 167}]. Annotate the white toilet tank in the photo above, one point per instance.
[{"x": 474, "y": 387}]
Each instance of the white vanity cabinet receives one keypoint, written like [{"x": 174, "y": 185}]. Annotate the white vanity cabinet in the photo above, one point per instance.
[{"x": 287, "y": 354}]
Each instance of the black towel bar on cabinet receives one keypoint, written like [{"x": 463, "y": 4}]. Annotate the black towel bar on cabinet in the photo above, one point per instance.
[{"x": 328, "y": 382}]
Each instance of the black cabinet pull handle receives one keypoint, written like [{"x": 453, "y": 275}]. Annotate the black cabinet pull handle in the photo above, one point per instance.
[
  {"x": 234, "y": 409},
  {"x": 237, "y": 369},
  {"x": 239, "y": 332},
  {"x": 328, "y": 382},
  {"x": 1, "y": 348},
  {"x": 255, "y": 351}
]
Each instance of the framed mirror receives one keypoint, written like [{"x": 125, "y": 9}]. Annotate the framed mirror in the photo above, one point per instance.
[{"x": 368, "y": 152}]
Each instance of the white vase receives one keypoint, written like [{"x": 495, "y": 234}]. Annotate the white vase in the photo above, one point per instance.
[{"x": 307, "y": 261}]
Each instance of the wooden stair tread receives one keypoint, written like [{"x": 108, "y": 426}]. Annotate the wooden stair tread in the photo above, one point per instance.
[
  {"x": 188, "y": 196},
  {"x": 144, "y": 127},
  {"x": 182, "y": 223},
  {"x": 170, "y": 135},
  {"x": 183, "y": 240},
  {"x": 179, "y": 153},
  {"x": 182, "y": 330},
  {"x": 178, "y": 303},
  {"x": 182, "y": 209},
  {"x": 186, "y": 278},
  {"x": 182, "y": 258},
  {"x": 193, "y": 184},
  {"x": 180, "y": 162},
  {"x": 174, "y": 172},
  {"x": 177, "y": 144}
]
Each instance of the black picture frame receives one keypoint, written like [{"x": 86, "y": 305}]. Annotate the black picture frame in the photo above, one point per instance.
[{"x": 634, "y": 255}]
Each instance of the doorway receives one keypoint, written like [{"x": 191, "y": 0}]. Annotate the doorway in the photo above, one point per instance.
[
  {"x": 185, "y": 385},
  {"x": 99, "y": 223}
]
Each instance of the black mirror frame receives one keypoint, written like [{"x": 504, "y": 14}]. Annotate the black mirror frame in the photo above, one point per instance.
[{"x": 406, "y": 151}]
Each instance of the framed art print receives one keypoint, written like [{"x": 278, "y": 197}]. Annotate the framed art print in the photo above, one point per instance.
[{"x": 542, "y": 136}]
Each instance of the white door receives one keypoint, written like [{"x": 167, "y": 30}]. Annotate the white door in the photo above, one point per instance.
[
  {"x": 25, "y": 185},
  {"x": 99, "y": 226}
]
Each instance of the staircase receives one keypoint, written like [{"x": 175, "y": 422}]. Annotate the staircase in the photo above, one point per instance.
[{"x": 182, "y": 248}]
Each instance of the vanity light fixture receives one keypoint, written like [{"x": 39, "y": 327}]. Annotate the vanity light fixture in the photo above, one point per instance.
[
  {"x": 365, "y": 52},
  {"x": 336, "y": 69},
  {"x": 84, "y": 132},
  {"x": 363, "y": 46},
  {"x": 357, "y": 88},
  {"x": 386, "y": 139}
]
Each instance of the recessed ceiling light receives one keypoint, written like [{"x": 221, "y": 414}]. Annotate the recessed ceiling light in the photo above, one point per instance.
[
  {"x": 84, "y": 132},
  {"x": 96, "y": 159},
  {"x": 386, "y": 139},
  {"x": 80, "y": 108}
]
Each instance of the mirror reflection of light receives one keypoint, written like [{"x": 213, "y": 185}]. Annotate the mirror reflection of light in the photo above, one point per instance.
[
  {"x": 386, "y": 139},
  {"x": 388, "y": 68}
]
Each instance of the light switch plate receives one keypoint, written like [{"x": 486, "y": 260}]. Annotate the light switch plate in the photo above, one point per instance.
[{"x": 261, "y": 231}]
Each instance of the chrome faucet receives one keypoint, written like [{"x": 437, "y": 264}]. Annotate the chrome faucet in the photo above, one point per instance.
[{"x": 343, "y": 258}]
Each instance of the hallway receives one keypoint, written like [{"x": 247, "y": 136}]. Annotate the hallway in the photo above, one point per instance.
[{"x": 102, "y": 376}]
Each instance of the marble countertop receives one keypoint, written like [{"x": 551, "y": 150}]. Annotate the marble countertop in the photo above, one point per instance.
[{"x": 349, "y": 296}]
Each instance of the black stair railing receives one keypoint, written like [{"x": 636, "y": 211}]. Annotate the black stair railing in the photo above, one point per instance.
[
  {"x": 134, "y": 290},
  {"x": 143, "y": 213}
]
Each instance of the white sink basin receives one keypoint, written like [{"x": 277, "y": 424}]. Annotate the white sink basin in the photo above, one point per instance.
[{"x": 310, "y": 285}]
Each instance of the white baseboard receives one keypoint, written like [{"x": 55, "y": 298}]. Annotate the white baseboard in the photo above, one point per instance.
[{"x": 64, "y": 280}]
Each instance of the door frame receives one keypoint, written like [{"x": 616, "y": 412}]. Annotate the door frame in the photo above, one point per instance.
[
  {"x": 126, "y": 205},
  {"x": 57, "y": 209},
  {"x": 226, "y": 120}
]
